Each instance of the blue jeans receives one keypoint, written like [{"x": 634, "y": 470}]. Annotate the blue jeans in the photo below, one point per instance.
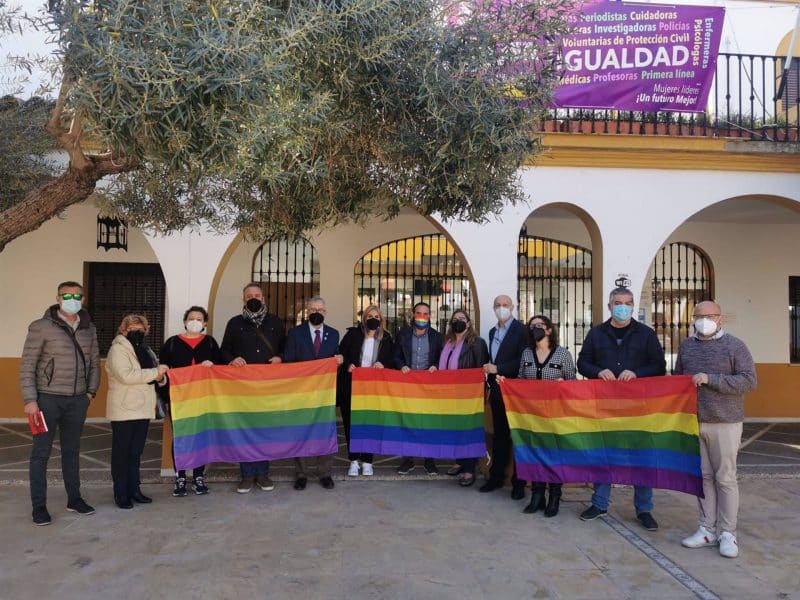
[
  {"x": 254, "y": 469},
  {"x": 642, "y": 497}
]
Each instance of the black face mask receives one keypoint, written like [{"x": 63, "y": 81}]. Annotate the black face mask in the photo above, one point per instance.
[
  {"x": 458, "y": 326},
  {"x": 135, "y": 337},
  {"x": 537, "y": 333},
  {"x": 372, "y": 324},
  {"x": 254, "y": 305},
  {"x": 316, "y": 318}
]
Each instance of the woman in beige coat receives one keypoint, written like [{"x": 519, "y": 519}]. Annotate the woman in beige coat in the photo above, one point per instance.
[{"x": 133, "y": 372}]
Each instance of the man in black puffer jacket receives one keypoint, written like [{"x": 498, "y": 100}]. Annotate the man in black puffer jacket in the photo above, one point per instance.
[{"x": 59, "y": 375}]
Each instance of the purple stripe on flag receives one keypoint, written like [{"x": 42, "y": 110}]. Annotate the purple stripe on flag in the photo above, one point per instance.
[
  {"x": 647, "y": 477},
  {"x": 390, "y": 447},
  {"x": 255, "y": 452}
]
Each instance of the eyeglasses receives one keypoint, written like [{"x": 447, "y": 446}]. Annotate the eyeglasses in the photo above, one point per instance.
[
  {"x": 71, "y": 296},
  {"x": 714, "y": 316}
]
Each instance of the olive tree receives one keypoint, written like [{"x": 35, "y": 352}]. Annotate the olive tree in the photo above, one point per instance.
[{"x": 280, "y": 116}]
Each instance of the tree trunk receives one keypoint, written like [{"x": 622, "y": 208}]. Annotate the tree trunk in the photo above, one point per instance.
[{"x": 45, "y": 202}]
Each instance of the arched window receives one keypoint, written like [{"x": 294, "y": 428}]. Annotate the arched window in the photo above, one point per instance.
[
  {"x": 554, "y": 279},
  {"x": 288, "y": 271},
  {"x": 680, "y": 278},
  {"x": 397, "y": 275}
]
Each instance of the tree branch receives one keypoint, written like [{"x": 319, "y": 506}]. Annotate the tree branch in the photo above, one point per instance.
[{"x": 70, "y": 140}]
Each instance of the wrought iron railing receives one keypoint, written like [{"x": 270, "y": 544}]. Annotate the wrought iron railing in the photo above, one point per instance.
[{"x": 741, "y": 104}]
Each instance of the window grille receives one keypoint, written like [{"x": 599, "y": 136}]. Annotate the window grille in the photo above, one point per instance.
[
  {"x": 116, "y": 289},
  {"x": 288, "y": 271},
  {"x": 681, "y": 278},
  {"x": 554, "y": 278},
  {"x": 398, "y": 274}
]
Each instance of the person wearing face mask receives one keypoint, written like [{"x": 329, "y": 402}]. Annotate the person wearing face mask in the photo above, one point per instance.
[
  {"x": 621, "y": 349},
  {"x": 133, "y": 373},
  {"x": 544, "y": 359},
  {"x": 463, "y": 349},
  {"x": 722, "y": 368},
  {"x": 253, "y": 337},
  {"x": 417, "y": 349},
  {"x": 192, "y": 347},
  {"x": 59, "y": 374},
  {"x": 507, "y": 340},
  {"x": 313, "y": 340},
  {"x": 367, "y": 345}
]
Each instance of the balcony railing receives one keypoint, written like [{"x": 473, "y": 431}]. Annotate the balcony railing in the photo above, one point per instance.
[{"x": 741, "y": 104}]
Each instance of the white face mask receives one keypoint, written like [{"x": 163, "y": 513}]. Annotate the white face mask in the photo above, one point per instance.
[
  {"x": 503, "y": 313},
  {"x": 194, "y": 326},
  {"x": 705, "y": 327}
]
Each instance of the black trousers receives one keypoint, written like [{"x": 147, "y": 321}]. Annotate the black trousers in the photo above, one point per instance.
[
  {"x": 344, "y": 408},
  {"x": 501, "y": 441},
  {"x": 127, "y": 444},
  {"x": 65, "y": 414}
]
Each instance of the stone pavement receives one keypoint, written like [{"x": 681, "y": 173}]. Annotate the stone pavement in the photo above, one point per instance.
[
  {"x": 422, "y": 538},
  {"x": 390, "y": 540},
  {"x": 769, "y": 449}
]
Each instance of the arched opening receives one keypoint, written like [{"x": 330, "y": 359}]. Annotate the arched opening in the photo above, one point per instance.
[
  {"x": 680, "y": 277},
  {"x": 554, "y": 279},
  {"x": 288, "y": 271},
  {"x": 559, "y": 260},
  {"x": 398, "y": 274}
]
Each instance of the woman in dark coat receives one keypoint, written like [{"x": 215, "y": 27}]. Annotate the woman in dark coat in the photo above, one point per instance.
[
  {"x": 366, "y": 345},
  {"x": 193, "y": 347},
  {"x": 463, "y": 349}
]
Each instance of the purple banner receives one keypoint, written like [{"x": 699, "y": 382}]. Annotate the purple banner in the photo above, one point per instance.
[{"x": 642, "y": 57}]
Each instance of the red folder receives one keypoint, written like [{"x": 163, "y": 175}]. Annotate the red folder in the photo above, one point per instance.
[{"x": 37, "y": 423}]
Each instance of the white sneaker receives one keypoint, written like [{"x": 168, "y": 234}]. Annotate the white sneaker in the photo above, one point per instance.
[
  {"x": 727, "y": 545},
  {"x": 353, "y": 470},
  {"x": 700, "y": 538},
  {"x": 366, "y": 469}
]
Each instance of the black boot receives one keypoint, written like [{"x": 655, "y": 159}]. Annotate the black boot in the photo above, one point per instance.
[
  {"x": 553, "y": 500},
  {"x": 537, "y": 499}
]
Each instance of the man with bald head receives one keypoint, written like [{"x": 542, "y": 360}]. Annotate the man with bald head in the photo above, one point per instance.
[
  {"x": 507, "y": 340},
  {"x": 723, "y": 371}
]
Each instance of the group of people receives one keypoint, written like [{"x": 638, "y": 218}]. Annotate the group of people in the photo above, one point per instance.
[{"x": 60, "y": 375}]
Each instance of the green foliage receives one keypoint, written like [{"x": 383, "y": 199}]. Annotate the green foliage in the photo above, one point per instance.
[
  {"x": 281, "y": 116},
  {"x": 24, "y": 147}
]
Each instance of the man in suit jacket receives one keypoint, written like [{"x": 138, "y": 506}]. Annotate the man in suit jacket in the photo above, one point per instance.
[
  {"x": 313, "y": 340},
  {"x": 507, "y": 340},
  {"x": 417, "y": 349}
]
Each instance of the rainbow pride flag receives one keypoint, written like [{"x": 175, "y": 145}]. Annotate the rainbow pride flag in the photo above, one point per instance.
[
  {"x": 641, "y": 432},
  {"x": 431, "y": 415},
  {"x": 253, "y": 413}
]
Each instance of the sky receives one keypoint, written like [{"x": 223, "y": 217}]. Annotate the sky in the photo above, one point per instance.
[{"x": 750, "y": 28}]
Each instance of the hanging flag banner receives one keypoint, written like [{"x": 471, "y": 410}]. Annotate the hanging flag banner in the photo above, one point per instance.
[
  {"x": 252, "y": 413},
  {"x": 432, "y": 415},
  {"x": 640, "y": 57},
  {"x": 640, "y": 432}
]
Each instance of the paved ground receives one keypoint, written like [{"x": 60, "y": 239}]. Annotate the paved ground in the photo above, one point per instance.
[
  {"x": 425, "y": 538},
  {"x": 768, "y": 450}
]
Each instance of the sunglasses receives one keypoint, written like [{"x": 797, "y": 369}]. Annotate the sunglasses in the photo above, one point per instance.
[{"x": 71, "y": 296}]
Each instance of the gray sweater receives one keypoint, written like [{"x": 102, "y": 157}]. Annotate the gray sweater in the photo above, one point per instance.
[{"x": 731, "y": 373}]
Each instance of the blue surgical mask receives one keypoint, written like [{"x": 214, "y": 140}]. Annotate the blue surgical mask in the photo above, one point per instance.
[
  {"x": 71, "y": 306},
  {"x": 621, "y": 312}
]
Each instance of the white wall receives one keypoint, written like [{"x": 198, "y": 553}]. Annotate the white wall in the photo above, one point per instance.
[
  {"x": 33, "y": 265},
  {"x": 752, "y": 264}
]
